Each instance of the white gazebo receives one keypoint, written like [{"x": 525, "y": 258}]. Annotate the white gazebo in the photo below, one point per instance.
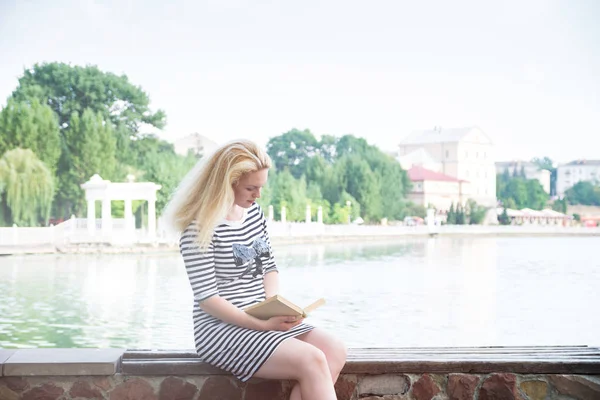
[{"x": 106, "y": 191}]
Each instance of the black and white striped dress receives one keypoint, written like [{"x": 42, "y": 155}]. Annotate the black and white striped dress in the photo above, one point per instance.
[{"x": 233, "y": 267}]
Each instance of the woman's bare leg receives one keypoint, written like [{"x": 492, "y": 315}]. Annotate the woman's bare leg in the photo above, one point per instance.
[
  {"x": 303, "y": 362},
  {"x": 334, "y": 350}
]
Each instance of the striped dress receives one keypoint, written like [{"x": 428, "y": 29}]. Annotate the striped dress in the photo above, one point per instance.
[{"x": 233, "y": 267}]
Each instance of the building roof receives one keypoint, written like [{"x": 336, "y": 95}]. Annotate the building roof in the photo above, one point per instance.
[
  {"x": 584, "y": 162},
  {"x": 196, "y": 142},
  {"x": 441, "y": 135},
  {"x": 516, "y": 163},
  {"x": 527, "y": 212},
  {"x": 418, "y": 157},
  {"x": 417, "y": 174}
]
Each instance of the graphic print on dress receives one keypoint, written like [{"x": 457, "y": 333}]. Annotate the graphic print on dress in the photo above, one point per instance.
[{"x": 251, "y": 255}]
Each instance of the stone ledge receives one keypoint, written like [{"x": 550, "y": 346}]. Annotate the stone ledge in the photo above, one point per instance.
[
  {"x": 4, "y": 355},
  {"x": 61, "y": 362},
  {"x": 521, "y": 360},
  {"x": 478, "y": 360}
]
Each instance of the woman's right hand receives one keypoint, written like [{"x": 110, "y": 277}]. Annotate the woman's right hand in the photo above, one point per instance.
[{"x": 283, "y": 323}]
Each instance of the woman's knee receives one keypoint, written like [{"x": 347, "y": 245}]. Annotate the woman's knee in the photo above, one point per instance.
[
  {"x": 312, "y": 361},
  {"x": 339, "y": 353}
]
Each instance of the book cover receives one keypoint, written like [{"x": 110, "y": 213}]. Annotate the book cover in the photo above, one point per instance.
[{"x": 278, "y": 306}]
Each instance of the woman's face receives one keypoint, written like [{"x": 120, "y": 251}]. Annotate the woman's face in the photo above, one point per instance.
[{"x": 248, "y": 188}]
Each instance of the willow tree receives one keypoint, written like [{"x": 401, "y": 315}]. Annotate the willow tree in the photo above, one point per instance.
[{"x": 26, "y": 188}]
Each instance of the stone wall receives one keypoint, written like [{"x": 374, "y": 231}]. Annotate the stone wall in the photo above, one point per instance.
[
  {"x": 487, "y": 373},
  {"x": 497, "y": 386}
]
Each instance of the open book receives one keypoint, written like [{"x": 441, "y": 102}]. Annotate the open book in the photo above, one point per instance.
[{"x": 277, "y": 306}]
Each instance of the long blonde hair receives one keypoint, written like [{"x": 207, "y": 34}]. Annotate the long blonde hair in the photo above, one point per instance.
[{"x": 206, "y": 193}]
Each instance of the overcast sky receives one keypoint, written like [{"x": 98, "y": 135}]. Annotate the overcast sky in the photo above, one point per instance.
[{"x": 526, "y": 72}]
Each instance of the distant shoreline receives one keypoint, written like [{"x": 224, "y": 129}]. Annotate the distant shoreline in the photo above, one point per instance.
[{"x": 353, "y": 235}]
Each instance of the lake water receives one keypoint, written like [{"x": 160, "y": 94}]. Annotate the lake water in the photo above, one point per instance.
[{"x": 408, "y": 292}]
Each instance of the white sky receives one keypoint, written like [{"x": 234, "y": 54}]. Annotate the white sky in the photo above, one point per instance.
[{"x": 526, "y": 72}]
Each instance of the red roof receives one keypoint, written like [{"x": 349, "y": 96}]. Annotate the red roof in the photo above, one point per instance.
[{"x": 417, "y": 174}]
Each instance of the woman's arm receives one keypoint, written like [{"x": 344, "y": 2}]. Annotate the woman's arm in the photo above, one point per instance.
[
  {"x": 222, "y": 309},
  {"x": 271, "y": 282}
]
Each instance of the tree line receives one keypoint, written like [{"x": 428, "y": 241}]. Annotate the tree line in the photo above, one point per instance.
[{"x": 64, "y": 123}]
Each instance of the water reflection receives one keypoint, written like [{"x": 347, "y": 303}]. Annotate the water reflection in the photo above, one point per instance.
[{"x": 409, "y": 292}]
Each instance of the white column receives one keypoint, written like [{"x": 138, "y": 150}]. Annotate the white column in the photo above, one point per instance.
[
  {"x": 308, "y": 215},
  {"x": 271, "y": 213},
  {"x": 282, "y": 213},
  {"x": 91, "y": 216},
  {"x": 106, "y": 217},
  {"x": 129, "y": 223},
  {"x": 320, "y": 215},
  {"x": 152, "y": 218}
]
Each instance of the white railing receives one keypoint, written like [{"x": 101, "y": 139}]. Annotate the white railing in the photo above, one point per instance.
[{"x": 74, "y": 231}]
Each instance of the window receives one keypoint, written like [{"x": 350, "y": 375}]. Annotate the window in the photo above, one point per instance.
[
  {"x": 447, "y": 154},
  {"x": 476, "y": 154}
]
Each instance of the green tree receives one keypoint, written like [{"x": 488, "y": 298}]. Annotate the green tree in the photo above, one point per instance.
[
  {"x": 536, "y": 195},
  {"x": 360, "y": 182},
  {"x": 451, "y": 217},
  {"x": 476, "y": 213},
  {"x": 69, "y": 90},
  {"x": 460, "y": 215},
  {"x": 560, "y": 205},
  {"x": 291, "y": 193},
  {"x": 585, "y": 193},
  {"x": 504, "y": 219},
  {"x": 26, "y": 188},
  {"x": 292, "y": 150},
  {"x": 31, "y": 125},
  {"x": 90, "y": 149}
]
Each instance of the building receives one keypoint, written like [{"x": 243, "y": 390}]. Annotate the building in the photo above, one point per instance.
[
  {"x": 431, "y": 188},
  {"x": 532, "y": 171},
  {"x": 466, "y": 154},
  {"x": 195, "y": 142},
  {"x": 567, "y": 175}
]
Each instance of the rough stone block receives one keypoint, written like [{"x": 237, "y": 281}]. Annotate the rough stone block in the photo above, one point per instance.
[
  {"x": 425, "y": 388},
  {"x": 499, "y": 386},
  {"x": 15, "y": 383},
  {"x": 380, "y": 385},
  {"x": 576, "y": 386},
  {"x": 345, "y": 387},
  {"x": 220, "y": 388},
  {"x": 84, "y": 390},
  {"x": 176, "y": 389},
  {"x": 48, "y": 391},
  {"x": 535, "y": 390},
  {"x": 462, "y": 386},
  {"x": 268, "y": 389},
  {"x": 8, "y": 394},
  {"x": 60, "y": 362},
  {"x": 133, "y": 389}
]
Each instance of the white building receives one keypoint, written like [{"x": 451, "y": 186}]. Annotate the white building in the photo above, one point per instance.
[
  {"x": 435, "y": 189},
  {"x": 532, "y": 171},
  {"x": 567, "y": 175},
  {"x": 195, "y": 142},
  {"x": 466, "y": 154}
]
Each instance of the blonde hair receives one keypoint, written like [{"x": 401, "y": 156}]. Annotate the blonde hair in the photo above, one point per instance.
[{"x": 206, "y": 193}]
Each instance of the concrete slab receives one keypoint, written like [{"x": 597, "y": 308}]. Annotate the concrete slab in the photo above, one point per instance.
[
  {"x": 61, "y": 362},
  {"x": 4, "y": 355}
]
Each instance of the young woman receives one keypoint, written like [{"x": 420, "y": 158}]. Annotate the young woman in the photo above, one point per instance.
[{"x": 227, "y": 254}]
